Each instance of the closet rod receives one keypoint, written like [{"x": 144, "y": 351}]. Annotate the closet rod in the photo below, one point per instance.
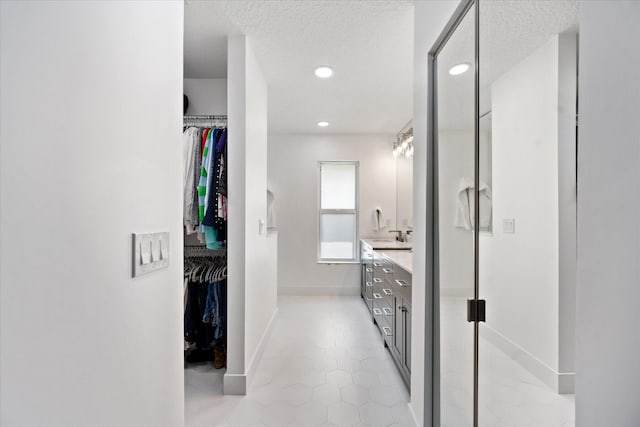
[{"x": 205, "y": 117}]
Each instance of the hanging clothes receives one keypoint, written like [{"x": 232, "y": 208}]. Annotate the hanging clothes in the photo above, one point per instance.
[
  {"x": 205, "y": 213},
  {"x": 205, "y": 309},
  {"x": 215, "y": 215},
  {"x": 192, "y": 155}
]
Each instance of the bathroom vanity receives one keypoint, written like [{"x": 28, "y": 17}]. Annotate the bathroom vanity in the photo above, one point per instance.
[{"x": 386, "y": 290}]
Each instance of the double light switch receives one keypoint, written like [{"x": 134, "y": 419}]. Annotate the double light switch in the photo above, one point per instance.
[{"x": 150, "y": 252}]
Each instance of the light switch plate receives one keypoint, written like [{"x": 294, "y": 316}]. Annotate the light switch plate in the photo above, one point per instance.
[
  {"x": 509, "y": 225},
  {"x": 150, "y": 252}
]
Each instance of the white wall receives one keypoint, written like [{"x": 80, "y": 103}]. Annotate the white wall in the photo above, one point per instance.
[
  {"x": 252, "y": 281},
  {"x": 293, "y": 174},
  {"x": 520, "y": 272},
  {"x": 90, "y": 153},
  {"x": 429, "y": 20},
  {"x": 206, "y": 96},
  {"x": 608, "y": 341}
]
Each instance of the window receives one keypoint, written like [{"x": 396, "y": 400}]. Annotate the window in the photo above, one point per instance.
[{"x": 338, "y": 214}]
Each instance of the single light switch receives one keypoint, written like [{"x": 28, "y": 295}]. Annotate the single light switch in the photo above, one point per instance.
[
  {"x": 145, "y": 252},
  {"x": 509, "y": 225},
  {"x": 155, "y": 250},
  {"x": 164, "y": 249}
]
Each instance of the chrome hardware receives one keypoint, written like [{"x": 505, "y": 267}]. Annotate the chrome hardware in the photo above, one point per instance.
[
  {"x": 402, "y": 283},
  {"x": 387, "y": 270},
  {"x": 369, "y": 270},
  {"x": 387, "y": 331},
  {"x": 387, "y": 311},
  {"x": 369, "y": 284},
  {"x": 377, "y": 264},
  {"x": 377, "y": 312},
  {"x": 377, "y": 295},
  {"x": 387, "y": 291},
  {"x": 377, "y": 279}
]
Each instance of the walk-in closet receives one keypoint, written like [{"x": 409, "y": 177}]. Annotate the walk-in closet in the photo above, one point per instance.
[{"x": 205, "y": 237}]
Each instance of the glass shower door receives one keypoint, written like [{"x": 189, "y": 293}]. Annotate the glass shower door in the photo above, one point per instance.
[{"x": 455, "y": 199}]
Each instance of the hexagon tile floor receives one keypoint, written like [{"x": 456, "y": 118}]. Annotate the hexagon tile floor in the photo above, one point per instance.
[{"x": 324, "y": 365}]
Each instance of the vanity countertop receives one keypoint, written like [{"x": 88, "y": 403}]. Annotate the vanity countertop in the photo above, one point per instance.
[
  {"x": 404, "y": 259},
  {"x": 379, "y": 244}
]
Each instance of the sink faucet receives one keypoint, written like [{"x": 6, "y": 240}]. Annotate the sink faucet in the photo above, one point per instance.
[{"x": 399, "y": 237}]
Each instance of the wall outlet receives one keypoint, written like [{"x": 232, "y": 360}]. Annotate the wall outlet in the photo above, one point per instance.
[{"x": 509, "y": 225}]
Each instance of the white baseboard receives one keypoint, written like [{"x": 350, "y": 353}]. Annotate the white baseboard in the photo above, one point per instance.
[
  {"x": 237, "y": 384},
  {"x": 456, "y": 292},
  {"x": 257, "y": 356},
  {"x": 317, "y": 291},
  {"x": 234, "y": 384},
  {"x": 561, "y": 382}
]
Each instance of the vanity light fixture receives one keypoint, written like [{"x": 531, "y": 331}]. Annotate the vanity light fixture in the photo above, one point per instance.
[
  {"x": 324, "y": 72},
  {"x": 403, "y": 144},
  {"x": 323, "y": 124},
  {"x": 458, "y": 69}
]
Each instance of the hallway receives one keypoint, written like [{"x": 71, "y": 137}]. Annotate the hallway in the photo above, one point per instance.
[{"x": 324, "y": 365}]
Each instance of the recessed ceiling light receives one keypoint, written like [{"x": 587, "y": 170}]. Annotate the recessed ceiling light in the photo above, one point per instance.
[
  {"x": 323, "y": 124},
  {"x": 459, "y": 69},
  {"x": 324, "y": 72}
]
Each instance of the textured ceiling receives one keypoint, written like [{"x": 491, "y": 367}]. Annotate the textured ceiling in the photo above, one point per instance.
[
  {"x": 510, "y": 30},
  {"x": 368, "y": 43}
]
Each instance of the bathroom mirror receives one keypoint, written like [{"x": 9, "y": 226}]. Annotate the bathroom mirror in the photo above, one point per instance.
[{"x": 404, "y": 193}]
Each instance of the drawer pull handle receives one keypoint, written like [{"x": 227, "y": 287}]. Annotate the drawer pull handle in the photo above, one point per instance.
[
  {"x": 401, "y": 283},
  {"x": 387, "y": 331},
  {"x": 377, "y": 279},
  {"x": 377, "y": 264},
  {"x": 377, "y": 312},
  {"x": 387, "y": 270},
  {"x": 377, "y": 296},
  {"x": 387, "y": 311},
  {"x": 369, "y": 270},
  {"x": 369, "y": 284},
  {"x": 387, "y": 291}
]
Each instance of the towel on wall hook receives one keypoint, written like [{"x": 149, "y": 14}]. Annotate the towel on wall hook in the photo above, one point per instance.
[
  {"x": 465, "y": 213},
  {"x": 379, "y": 222}
]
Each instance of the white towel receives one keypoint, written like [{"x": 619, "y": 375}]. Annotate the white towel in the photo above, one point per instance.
[
  {"x": 466, "y": 206},
  {"x": 379, "y": 222}
]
